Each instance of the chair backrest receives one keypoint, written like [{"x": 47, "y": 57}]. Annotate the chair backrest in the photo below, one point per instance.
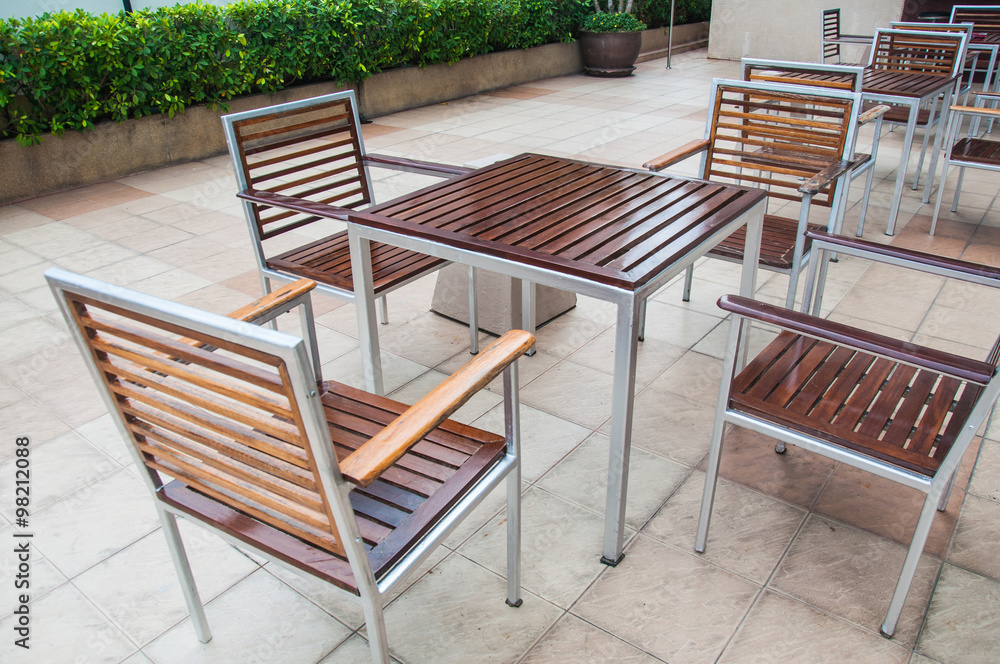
[
  {"x": 919, "y": 52},
  {"x": 985, "y": 18},
  {"x": 310, "y": 149},
  {"x": 240, "y": 424},
  {"x": 777, "y": 136},
  {"x": 831, "y": 32},
  {"x": 835, "y": 77}
]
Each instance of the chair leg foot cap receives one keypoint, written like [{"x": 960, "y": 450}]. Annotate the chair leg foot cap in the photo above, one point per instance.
[
  {"x": 612, "y": 563},
  {"x": 516, "y": 604}
]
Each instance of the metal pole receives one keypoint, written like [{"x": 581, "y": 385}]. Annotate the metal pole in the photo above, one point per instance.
[
  {"x": 670, "y": 33},
  {"x": 127, "y": 6}
]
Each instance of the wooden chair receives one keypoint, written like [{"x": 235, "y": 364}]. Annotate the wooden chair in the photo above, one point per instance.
[
  {"x": 837, "y": 77},
  {"x": 833, "y": 38},
  {"x": 968, "y": 152},
  {"x": 335, "y": 483},
  {"x": 985, "y": 18},
  {"x": 971, "y": 64},
  {"x": 900, "y": 55},
  {"x": 290, "y": 159},
  {"x": 898, "y": 410},
  {"x": 795, "y": 141}
]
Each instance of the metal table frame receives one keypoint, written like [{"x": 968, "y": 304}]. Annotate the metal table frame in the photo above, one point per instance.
[{"x": 630, "y": 305}]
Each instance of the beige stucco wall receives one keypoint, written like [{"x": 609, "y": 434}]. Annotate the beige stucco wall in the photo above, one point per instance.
[{"x": 790, "y": 29}]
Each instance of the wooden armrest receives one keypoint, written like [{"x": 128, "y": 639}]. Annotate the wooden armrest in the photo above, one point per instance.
[
  {"x": 872, "y": 114},
  {"x": 302, "y": 205},
  {"x": 365, "y": 464},
  {"x": 816, "y": 183},
  {"x": 977, "y": 110},
  {"x": 916, "y": 259},
  {"x": 263, "y": 306},
  {"x": 986, "y": 94},
  {"x": 840, "y": 334},
  {"x": 417, "y": 166},
  {"x": 674, "y": 156}
]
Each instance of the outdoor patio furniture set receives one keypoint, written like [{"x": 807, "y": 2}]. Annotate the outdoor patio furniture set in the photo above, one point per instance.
[{"x": 237, "y": 430}]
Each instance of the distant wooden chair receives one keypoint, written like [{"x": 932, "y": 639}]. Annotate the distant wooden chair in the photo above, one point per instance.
[
  {"x": 968, "y": 152},
  {"x": 795, "y": 141},
  {"x": 837, "y": 77},
  {"x": 833, "y": 38},
  {"x": 985, "y": 18},
  {"x": 335, "y": 483},
  {"x": 892, "y": 408},
  {"x": 971, "y": 66},
  {"x": 296, "y": 158}
]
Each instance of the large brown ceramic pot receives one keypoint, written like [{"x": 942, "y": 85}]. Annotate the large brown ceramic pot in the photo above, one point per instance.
[{"x": 609, "y": 53}]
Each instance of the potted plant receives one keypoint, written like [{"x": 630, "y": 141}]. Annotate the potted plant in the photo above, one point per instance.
[{"x": 610, "y": 40}]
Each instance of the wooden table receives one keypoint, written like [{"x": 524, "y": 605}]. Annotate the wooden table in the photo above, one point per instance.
[
  {"x": 911, "y": 90},
  {"x": 612, "y": 233}
]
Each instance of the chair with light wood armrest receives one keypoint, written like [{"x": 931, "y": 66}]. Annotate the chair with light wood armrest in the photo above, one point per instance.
[
  {"x": 335, "y": 483},
  {"x": 903, "y": 412}
]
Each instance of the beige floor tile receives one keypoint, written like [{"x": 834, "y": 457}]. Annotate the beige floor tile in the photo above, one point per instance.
[
  {"x": 886, "y": 508},
  {"x": 27, "y": 418},
  {"x": 779, "y": 629},
  {"x": 545, "y": 439},
  {"x": 457, "y": 615},
  {"x": 749, "y": 531},
  {"x": 100, "y": 519},
  {"x": 353, "y": 651},
  {"x": 103, "y": 433},
  {"x": 568, "y": 333},
  {"x": 986, "y": 477},
  {"x": 138, "y": 587},
  {"x": 688, "y": 611},
  {"x": 694, "y": 376},
  {"x": 653, "y": 356},
  {"x": 795, "y": 477},
  {"x": 65, "y": 627},
  {"x": 259, "y": 619},
  {"x": 396, "y": 370},
  {"x": 573, "y": 392},
  {"x": 560, "y": 547},
  {"x": 29, "y": 337},
  {"x": 977, "y": 537},
  {"x": 852, "y": 574},
  {"x": 963, "y": 619},
  {"x": 677, "y": 326},
  {"x": 58, "y": 468},
  {"x": 572, "y": 639},
  {"x": 582, "y": 478},
  {"x": 671, "y": 426}
]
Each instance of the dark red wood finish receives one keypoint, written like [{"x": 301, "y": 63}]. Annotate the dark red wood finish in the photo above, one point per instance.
[{"x": 605, "y": 224}]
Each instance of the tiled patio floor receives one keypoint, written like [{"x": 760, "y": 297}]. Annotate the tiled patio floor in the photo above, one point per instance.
[{"x": 803, "y": 554}]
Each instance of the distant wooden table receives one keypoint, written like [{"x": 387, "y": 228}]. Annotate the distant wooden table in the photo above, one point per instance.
[{"x": 611, "y": 233}]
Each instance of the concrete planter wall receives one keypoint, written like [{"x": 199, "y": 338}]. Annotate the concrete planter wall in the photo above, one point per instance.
[{"x": 112, "y": 151}]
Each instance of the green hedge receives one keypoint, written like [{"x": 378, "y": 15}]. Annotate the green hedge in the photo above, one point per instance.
[
  {"x": 656, "y": 13},
  {"x": 66, "y": 70}
]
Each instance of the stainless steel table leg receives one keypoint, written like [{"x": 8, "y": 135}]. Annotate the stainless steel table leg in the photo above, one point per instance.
[
  {"x": 904, "y": 160},
  {"x": 622, "y": 402},
  {"x": 364, "y": 303}
]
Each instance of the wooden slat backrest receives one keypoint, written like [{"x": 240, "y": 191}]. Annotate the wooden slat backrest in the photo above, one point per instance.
[
  {"x": 225, "y": 423},
  {"x": 313, "y": 152},
  {"x": 985, "y": 18},
  {"x": 777, "y": 137},
  {"x": 831, "y": 30},
  {"x": 917, "y": 52}
]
